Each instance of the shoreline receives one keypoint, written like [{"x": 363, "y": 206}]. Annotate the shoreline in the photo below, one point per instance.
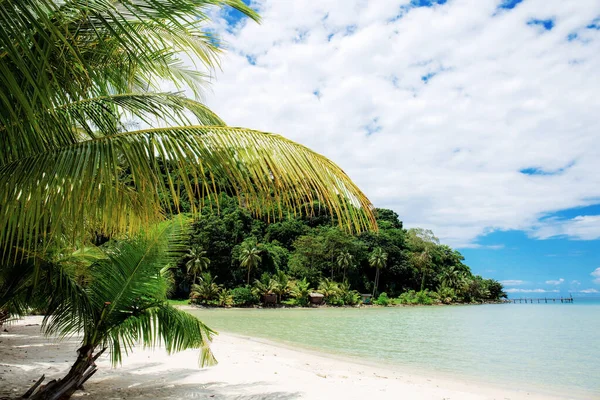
[{"x": 249, "y": 368}]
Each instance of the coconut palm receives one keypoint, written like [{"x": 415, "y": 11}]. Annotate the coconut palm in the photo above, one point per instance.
[
  {"x": 377, "y": 260},
  {"x": 344, "y": 261},
  {"x": 283, "y": 287},
  {"x": 451, "y": 277},
  {"x": 264, "y": 288},
  {"x": 197, "y": 261},
  {"x": 124, "y": 302},
  {"x": 300, "y": 290},
  {"x": 422, "y": 261},
  {"x": 329, "y": 289},
  {"x": 249, "y": 257},
  {"x": 75, "y": 73},
  {"x": 206, "y": 290}
]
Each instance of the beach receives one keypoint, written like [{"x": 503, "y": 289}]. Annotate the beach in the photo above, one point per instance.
[{"x": 248, "y": 369}]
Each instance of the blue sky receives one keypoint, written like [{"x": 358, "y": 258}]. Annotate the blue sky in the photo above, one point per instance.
[{"x": 474, "y": 118}]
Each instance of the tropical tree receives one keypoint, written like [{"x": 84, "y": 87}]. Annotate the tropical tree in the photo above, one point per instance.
[
  {"x": 76, "y": 73},
  {"x": 206, "y": 290},
  {"x": 422, "y": 261},
  {"x": 265, "y": 287},
  {"x": 329, "y": 289},
  {"x": 377, "y": 260},
  {"x": 282, "y": 287},
  {"x": 300, "y": 291},
  {"x": 344, "y": 261},
  {"x": 197, "y": 261},
  {"x": 124, "y": 302},
  {"x": 451, "y": 277},
  {"x": 249, "y": 256}
]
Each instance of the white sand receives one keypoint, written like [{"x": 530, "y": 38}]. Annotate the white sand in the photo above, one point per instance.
[{"x": 248, "y": 369}]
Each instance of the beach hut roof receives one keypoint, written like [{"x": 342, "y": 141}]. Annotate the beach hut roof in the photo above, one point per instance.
[{"x": 314, "y": 294}]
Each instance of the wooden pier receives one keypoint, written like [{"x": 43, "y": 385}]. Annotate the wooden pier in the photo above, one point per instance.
[{"x": 544, "y": 300}]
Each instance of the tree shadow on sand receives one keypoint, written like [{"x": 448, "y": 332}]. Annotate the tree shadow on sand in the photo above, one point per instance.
[{"x": 157, "y": 385}]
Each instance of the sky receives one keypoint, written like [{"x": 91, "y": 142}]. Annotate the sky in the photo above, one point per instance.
[{"x": 477, "y": 119}]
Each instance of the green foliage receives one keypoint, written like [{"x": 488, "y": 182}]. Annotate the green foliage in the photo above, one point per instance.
[
  {"x": 447, "y": 295},
  {"x": 206, "y": 290},
  {"x": 243, "y": 297},
  {"x": 300, "y": 291},
  {"x": 423, "y": 297},
  {"x": 392, "y": 260},
  {"x": 126, "y": 299},
  {"x": 249, "y": 256},
  {"x": 383, "y": 300},
  {"x": 225, "y": 298},
  {"x": 196, "y": 261}
]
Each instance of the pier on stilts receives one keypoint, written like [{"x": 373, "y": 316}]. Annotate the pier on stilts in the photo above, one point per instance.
[{"x": 544, "y": 300}]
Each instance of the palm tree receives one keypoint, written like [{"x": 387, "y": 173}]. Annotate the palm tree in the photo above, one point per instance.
[
  {"x": 249, "y": 257},
  {"x": 377, "y": 260},
  {"x": 300, "y": 291},
  {"x": 344, "y": 261},
  {"x": 206, "y": 290},
  {"x": 124, "y": 302},
  {"x": 329, "y": 289},
  {"x": 197, "y": 261},
  {"x": 282, "y": 287},
  {"x": 423, "y": 261},
  {"x": 263, "y": 289},
  {"x": 75, "y": 73},
  {"x": 451, "y": 277}
]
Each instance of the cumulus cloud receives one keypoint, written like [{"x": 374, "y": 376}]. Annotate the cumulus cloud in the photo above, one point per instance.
[
  {"x": 588, "y": 291},
  {"x": 515, "y": 290},
  {"x": 512, "y": 282},
  {"x": 464, "y": 117},
  {"x": 586, "y": 227},
  {"x": 596, "y": 275},
  {"x": 555, "y": 282}
]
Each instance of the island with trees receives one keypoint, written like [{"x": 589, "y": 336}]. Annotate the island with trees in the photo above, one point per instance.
[{"x": 237, "y": 259}]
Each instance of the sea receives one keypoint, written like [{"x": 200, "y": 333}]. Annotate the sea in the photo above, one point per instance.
[{"x": 545, "y": 348}]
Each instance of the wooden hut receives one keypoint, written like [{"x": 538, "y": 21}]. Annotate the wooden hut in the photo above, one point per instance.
[
  {"x": 316, "y": 298},
  {"x": 366, "y": 298},
  {"x": 270, "y": 299}
]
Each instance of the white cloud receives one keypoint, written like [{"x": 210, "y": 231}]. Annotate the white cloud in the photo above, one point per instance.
[
  {"x": 596, "y": 275},
  {"x": 512, "y": 282},
  {"x": 514, "y": 290},
  {"x": 575, "y": 283},
  {"x": 555, "y": 282},
  {"x": 588, "y": 291},
  {"x": 445, "y": 154},
  {"x": 585, "y": 227}
]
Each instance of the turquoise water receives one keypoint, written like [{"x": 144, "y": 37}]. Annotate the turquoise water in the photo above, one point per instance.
[{"x": 547, "y": 347}]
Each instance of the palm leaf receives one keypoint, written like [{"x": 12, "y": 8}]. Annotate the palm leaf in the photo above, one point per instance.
[{"x": 82, "y": 181}]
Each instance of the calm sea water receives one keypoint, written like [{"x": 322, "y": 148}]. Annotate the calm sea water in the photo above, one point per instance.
[{"x": 547, "y": 347}]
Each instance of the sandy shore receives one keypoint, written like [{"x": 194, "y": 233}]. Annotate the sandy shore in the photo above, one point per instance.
[{"x": 248, "y": 369}]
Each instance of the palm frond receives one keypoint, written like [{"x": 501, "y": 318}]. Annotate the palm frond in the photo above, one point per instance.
[
  {"x": 161, "y": 325},
  {"x": 267, "y": 172}
]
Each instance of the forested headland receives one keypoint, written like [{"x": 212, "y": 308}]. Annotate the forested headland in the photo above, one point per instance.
[{"x": 236, "y": 259}]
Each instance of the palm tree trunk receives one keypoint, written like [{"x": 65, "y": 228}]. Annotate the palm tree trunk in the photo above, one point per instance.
[
  {"x": 83, "y": 369},
  {"x": 376, "y": 282},
  {"x": 423, "y": 281},
  {"x": 248, "y": 275},
  {"x": 344, "y": 278}
]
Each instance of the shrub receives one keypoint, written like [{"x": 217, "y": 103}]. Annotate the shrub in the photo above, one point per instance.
[
  {"x": 243, "y": 297},
  {"x": 300, "y": 291},
  {"x": 411, "y": 297},
  {"x": 225, "y": 298},
  {"x": 447, "y": 295},
  {"x": 383, "y": 300}
]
